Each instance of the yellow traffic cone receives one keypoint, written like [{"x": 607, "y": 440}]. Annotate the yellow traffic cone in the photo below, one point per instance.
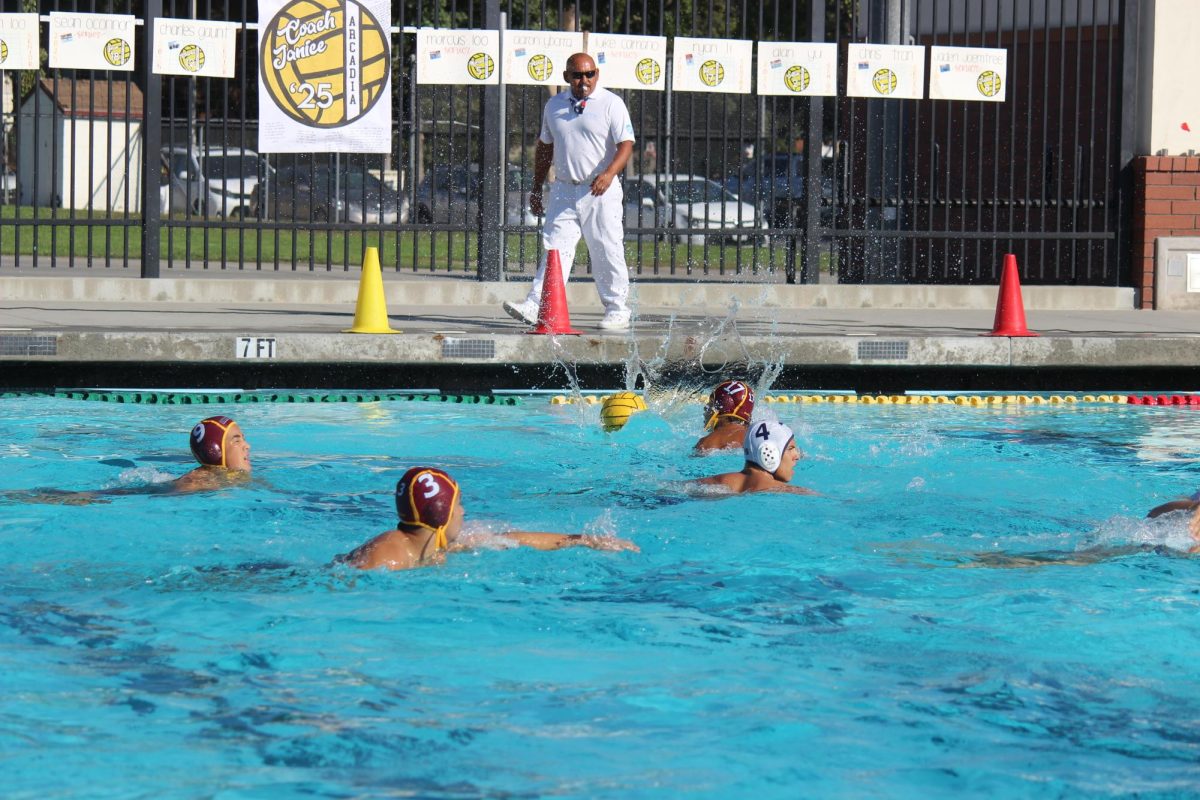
[{"x": 370, "y": 313}]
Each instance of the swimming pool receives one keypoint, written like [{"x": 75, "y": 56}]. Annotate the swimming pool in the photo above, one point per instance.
[{"x": 853, "y": 644}]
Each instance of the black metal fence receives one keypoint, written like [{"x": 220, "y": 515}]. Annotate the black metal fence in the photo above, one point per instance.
[{"x": 117, "y": 170}]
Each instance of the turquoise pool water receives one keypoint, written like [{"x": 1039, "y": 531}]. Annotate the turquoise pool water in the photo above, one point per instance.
[{"x": 870, "y": 642}]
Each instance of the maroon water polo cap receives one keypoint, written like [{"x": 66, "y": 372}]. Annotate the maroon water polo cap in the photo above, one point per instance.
[
  {"x": 208, "y": 440},
  {"x": 425, "y": 497}
]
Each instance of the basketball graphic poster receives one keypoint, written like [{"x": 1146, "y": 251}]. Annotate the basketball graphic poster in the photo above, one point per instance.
[
  {"x": 797, "y": 68},
  {"x": 629, "y": 62},
  {"x": 968, "y": 73},
  {"x": 712, "y": 65},
  {"x": 92, "y": 41},
  {"x": 537, "y": 58},
  {"x": 18, "y": 41},
  {"x": 453, "y": 57},
  {"x": 324, "y": 76},
  {"x": 196, "y": 48},
  {"x": 885, "y": 71}
]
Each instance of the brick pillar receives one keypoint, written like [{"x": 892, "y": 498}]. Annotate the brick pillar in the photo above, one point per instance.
[{"x": 1166, "y": 202}]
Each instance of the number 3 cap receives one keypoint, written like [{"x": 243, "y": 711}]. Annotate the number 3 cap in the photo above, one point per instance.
[
  {"x": 765, "y": 443},
  {"x": 425, "y": 497}
]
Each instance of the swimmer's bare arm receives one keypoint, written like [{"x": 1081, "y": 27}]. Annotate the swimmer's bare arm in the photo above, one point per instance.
[
  {"x": 1174, "y": 505},
  {"x": 559, "y": 541}
]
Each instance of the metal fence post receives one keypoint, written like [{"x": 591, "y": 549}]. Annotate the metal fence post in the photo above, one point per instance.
[
  {"x": 491, "y": 168},
  {"x": 151, "y": 142},
  {"x": 814, "y": 194}
]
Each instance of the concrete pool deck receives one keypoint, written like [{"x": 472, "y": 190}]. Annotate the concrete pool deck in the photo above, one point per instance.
[{"x": 91, "y": 327}]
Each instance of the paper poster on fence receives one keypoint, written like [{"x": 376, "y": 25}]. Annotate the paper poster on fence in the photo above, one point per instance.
[
  {"x": 453, "y": 57},
  {"x": 968, "y": 73},
  {"x": 91, "y": 41},
  {"x": 712, "y": 65},
  {"x": 797, "y": 68},
  {"x": 889, "y": 71},
  {"x": 18, "y": 41},
  {"x": 323, "y": 76},
  {"x": 629, "y": 62},
  {"x": 195, "y": 48},
  {"x": 538, "y": 58}
]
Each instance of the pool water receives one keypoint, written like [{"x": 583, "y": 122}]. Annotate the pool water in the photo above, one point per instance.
[{"x": 879, "y": 640}]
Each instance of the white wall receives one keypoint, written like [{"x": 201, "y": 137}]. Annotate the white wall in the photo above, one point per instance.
[
  {"x": 100, "y": 177},
  {"x": 1174, "y": 90}
]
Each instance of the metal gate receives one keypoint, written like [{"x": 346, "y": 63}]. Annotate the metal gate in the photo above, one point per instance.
[{"x": 846, "y": 189}]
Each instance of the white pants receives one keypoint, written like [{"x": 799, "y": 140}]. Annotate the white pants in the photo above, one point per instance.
[{"x": 572, "y": 210}]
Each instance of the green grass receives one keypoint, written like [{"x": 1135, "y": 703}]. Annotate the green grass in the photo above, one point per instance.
[{"x": 63, "y": 233}]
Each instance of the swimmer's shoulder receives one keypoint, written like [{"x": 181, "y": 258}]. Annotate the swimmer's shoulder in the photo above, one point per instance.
[
  {"x": 206, "y": 479},
  {"x": 390, "y": 549}
]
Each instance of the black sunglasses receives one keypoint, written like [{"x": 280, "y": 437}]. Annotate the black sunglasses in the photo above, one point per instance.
[{"x": 591, "y": 73}]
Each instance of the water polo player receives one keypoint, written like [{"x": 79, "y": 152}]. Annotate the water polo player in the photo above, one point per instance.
[
  {"x": 771, "y": 456},
  {"x": 217, "y": 443},
  {"x": 430, "y": 508},
  {"x": 223, "y": 452},
  {"x": 726, "y": 415}
]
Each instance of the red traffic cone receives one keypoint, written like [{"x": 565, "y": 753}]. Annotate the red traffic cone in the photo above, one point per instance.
[
  {"x": 553, "y": 316},
  {"x": 1010, "y": 310}
]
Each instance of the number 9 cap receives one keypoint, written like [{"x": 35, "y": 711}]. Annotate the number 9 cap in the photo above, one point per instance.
[
  {"x": 425, "y": 498},
  {"x": 208, "y": 440},
  {"x": 765, "y": 443}
]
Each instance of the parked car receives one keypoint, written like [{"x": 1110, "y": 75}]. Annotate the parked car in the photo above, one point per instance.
[
  {"x": 304, "y": 192},
  {"x": 232, "y": 173},
  {"x": 450, "y": 194},
  {"x": 183, "y": 188},
  {"x": 687, "y": 201},
  {"x": 774, "y": 183}
]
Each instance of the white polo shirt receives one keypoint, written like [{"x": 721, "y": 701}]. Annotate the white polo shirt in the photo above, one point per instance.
[{"x": 585, "y": 143}]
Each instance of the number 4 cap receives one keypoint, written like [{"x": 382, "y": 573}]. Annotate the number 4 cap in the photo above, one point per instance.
[{"x": 765, "y": 443}]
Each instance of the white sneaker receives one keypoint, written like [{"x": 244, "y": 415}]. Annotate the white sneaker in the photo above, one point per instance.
[
  {"x": 615, "y": 320},
  {"x": 525, "y": 311}
]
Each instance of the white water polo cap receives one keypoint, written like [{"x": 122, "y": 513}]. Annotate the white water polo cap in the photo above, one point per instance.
[{"x": 765, "y": 443}]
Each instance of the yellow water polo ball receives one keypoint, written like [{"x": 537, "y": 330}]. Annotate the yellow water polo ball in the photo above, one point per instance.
[
  {"x": 191, "y": 57},
  {"x": 988, "y": 83},
  {"x": 648, "y": 72},
  {"x": 117, "y": 52},
  {"x": 3, "y": 51},
  {"x": 481, "y": 66},
  {"x": 540, "y": 67},
  {"x": 885, "y": 81},
  {"x": 712, "y": 72},
  {"x": 317, "y": 71},
  {"x": 617, "y": 408},
  {"x": 797, "y": 78}
]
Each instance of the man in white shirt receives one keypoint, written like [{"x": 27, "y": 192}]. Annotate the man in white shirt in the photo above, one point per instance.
[{"x": 587, "y": 135}]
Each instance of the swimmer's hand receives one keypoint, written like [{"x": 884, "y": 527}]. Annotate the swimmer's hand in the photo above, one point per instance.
[{"x": 610, "y": 543}]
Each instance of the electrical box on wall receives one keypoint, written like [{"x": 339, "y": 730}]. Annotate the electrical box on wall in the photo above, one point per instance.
[{"x": 1177, "y": 273}]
